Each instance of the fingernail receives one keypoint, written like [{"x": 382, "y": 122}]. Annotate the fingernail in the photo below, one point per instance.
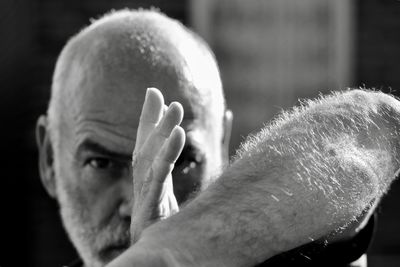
[
  {"x": 149, "y": 89},
  {"x": 170, "y": 106},
  {"x": 176, "y": 104},
  {"x": 177, "y": 128}
]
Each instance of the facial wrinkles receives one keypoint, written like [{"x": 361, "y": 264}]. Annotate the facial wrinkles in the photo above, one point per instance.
[{"x": 118, "y": 138}]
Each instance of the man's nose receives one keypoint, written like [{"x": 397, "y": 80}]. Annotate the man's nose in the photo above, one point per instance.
[{"x": 126, "y": 189}]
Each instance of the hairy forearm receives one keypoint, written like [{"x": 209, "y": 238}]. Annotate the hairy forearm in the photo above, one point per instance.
[{"x": 306, "y": 175}]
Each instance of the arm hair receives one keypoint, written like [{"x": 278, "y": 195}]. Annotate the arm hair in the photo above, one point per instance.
[{"x": 310, "y": 172}]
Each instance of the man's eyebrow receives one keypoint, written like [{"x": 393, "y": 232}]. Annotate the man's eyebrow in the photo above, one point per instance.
[{"x": 90, "y": 145}]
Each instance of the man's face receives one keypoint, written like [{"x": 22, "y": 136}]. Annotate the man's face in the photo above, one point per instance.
[{"x": 93, "y": 159}]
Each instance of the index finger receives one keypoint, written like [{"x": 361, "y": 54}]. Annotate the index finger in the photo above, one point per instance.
[{"x": 152, "y": 111}]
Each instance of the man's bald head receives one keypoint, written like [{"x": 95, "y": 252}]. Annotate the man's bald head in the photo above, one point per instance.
[
  {"x": 86, "y": 143},
  {"x": 140, "y": 43}
]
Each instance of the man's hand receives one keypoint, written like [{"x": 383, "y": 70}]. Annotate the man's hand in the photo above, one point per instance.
[{"x": 159, "y": 142}]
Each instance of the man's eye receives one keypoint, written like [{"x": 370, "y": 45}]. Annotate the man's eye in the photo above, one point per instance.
[
  {"x": 107, "y": 167},
  {"x": 100, "y": 163},
  {"x": 189, "y": 159}
]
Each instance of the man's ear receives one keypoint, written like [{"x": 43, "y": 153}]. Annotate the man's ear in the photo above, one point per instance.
[
  {"x": 46, "y": 162},
  {"x": 226, "y": 137}
]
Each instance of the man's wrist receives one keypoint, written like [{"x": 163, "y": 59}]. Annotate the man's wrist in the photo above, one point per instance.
[
  {"x": 143, "y": 254},
  {"x": 167, "y": 244}
]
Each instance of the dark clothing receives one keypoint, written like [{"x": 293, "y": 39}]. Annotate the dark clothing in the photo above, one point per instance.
[
  {"x": 317, "y": 253},
  {"x": 75, "y": 263}
]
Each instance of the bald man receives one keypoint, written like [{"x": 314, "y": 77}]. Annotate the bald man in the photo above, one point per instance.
[
  {"x": 87, "y": 139},
  {"x": 301, "y": 179}
]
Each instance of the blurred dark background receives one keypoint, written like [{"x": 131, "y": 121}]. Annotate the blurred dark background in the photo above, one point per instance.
[{"x": 270, "y": 52}]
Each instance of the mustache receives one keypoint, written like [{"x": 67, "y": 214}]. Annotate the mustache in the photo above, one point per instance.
[{"x": 116, "y": 233}]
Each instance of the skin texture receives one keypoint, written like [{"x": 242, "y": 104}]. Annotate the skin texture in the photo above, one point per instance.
[
  {"x": 310, "y": 173},
  {"x": 336, "y": 155},
  {"x": 86, "y": 141}
]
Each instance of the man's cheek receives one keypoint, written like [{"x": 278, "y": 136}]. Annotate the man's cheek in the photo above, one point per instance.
[
  {"x": 79, "y": 192},
  {"x": 95, "y": 197},
  {"x": 85, "y": 180}
]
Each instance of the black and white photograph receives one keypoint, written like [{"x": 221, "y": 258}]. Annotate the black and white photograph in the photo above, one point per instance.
[{"x": 209, "y": 133}]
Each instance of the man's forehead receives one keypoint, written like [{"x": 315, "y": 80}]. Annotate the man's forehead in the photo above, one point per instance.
[
  {"x": 114, "y": 113},
  {"x": 109, "y": 111},
  {"x": 118, "y": 138},
  {"x": 120, "y": 101}
]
